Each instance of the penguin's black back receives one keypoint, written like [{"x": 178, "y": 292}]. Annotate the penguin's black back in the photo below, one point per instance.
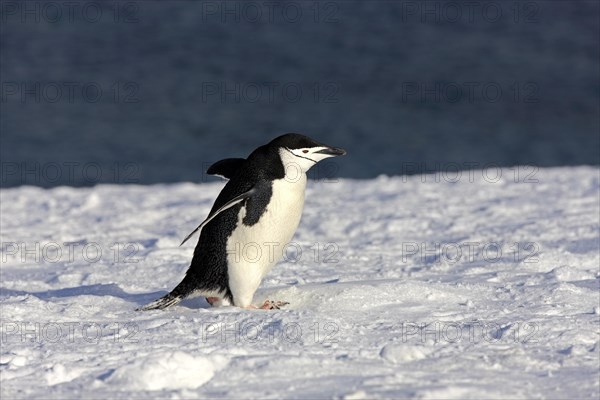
[{"x": 208, "y": 269}]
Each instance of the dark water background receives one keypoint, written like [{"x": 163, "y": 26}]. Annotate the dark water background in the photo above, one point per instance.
[{"x": 149, "y": 91}]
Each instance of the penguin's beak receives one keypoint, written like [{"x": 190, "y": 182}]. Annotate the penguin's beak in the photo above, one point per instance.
[{"x": 332, "y": 151}]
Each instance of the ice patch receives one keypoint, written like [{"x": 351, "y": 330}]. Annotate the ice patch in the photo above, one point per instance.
[
  {"x": 167, "y": 370},
  {"x": 58, "y": 373},
  {"x": 398, "y": 353}
]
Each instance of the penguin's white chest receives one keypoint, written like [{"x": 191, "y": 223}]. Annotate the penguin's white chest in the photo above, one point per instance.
[{"x": 253, "y": 250}]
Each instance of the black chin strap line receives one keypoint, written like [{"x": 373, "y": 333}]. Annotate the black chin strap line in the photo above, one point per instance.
[{"x": 296, "y": 155}]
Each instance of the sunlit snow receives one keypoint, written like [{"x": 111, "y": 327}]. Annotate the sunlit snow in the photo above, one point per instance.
[{"x": 478, "y": 285}]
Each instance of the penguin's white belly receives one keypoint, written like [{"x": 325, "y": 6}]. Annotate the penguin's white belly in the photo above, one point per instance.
[{"x": 253, "y": 250}]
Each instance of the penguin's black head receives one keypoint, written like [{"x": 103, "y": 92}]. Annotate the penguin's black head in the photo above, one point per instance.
[{"x": 302, "y": 151}]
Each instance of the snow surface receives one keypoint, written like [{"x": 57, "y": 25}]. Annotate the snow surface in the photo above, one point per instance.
[{"x": 378, "y": 296}]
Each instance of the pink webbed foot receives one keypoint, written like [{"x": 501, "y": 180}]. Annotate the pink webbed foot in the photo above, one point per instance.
[
  {"x": 267, "y": 305},
  {"x": 273, "y": 305},
  {"x": 212, "y": 300}
]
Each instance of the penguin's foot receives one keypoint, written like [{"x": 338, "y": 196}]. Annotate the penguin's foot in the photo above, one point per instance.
[
  {"x": 212, "y": 300},
  {"x": 268, "y": 305},
  {"x": 273, "y": 305},
  {"x": 218, "y": 301}
]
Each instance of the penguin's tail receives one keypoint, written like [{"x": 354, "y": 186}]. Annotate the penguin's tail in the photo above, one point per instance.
[{"x": 180, "y": 292}]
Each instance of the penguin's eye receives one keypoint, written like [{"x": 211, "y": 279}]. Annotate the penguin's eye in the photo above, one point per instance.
[{"x": 305, "y": 151}]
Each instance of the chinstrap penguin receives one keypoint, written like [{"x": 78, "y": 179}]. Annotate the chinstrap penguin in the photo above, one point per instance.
[{"x": 260, "y": 206}]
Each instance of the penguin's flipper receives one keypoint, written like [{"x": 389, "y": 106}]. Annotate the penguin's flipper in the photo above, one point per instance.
[
  {"x": 226, "y": 168},
  {"x": 226, "y": 206}
]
